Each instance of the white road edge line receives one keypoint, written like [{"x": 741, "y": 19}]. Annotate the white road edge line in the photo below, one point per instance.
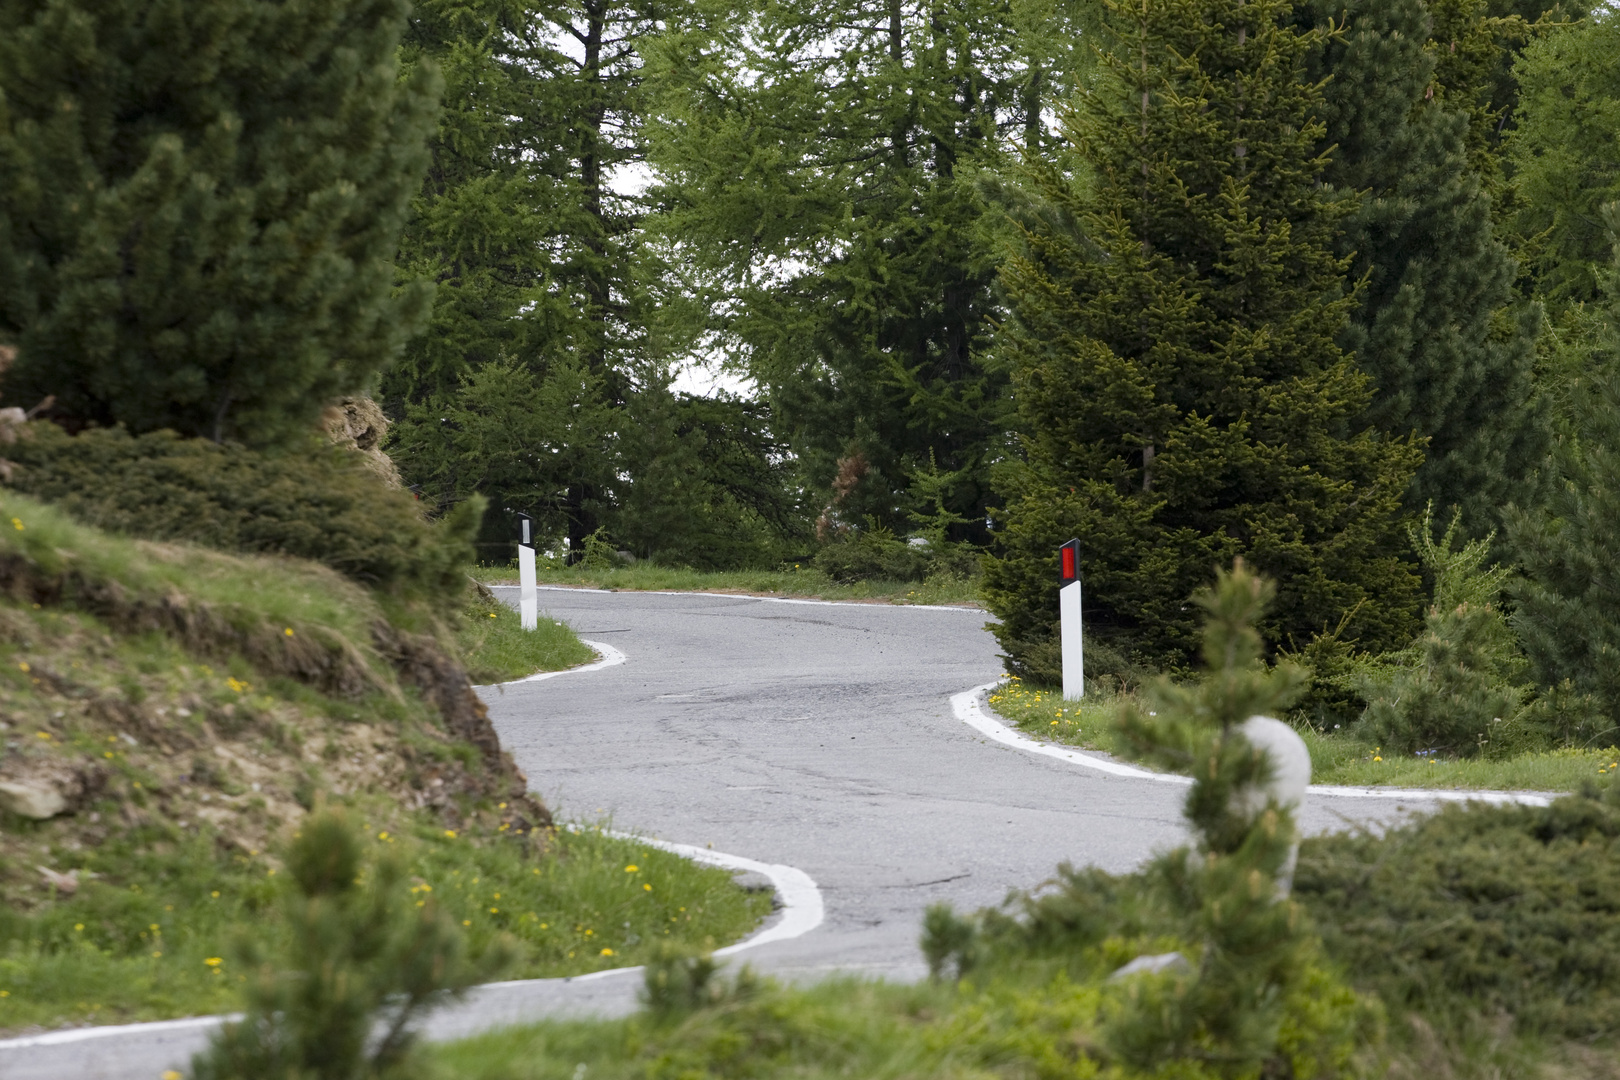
[
  {"x": 802, "y": 912},
  {"x": 968, "y": 708}
]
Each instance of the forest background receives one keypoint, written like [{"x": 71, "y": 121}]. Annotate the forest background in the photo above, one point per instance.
[{"x": 1328, "y": 287}]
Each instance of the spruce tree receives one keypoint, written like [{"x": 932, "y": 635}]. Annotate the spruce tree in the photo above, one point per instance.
[
  {"x": 1438, "y": 325},
  {"x": 199, "y": 206},
  {"x": 1173, "y": 348}
]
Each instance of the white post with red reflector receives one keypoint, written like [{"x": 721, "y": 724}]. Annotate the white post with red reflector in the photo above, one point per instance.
[
  {"x": 1074, "y": 668},
  {"x": 528, "y": 593}
]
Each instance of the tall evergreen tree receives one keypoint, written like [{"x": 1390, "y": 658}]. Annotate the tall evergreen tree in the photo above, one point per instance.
[
  {"x": 1569, "y": 615},
  {"x": 1438, "y": 324},
  {"x": 200, "y": 202},
  {"x": 533, "y": 248},
  {"x": 1173, "y": 348},
  {"x": 817, "y": 189},
  {"x": 1565, "y": 153}
]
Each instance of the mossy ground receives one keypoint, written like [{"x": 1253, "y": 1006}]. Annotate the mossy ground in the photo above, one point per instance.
[
  {"x": 1336, "y": 757},
  {"x": 189, "y": 752}
]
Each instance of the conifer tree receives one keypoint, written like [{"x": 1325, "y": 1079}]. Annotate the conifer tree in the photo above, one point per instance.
[
  {"x": 1565, "y": 152},
  {"x": 199, "y": 206},
  {"x": 1173, "y": 349},
  {"x": 1227, "y": 1011},
  {"x": 1438, "y": 325},
  {"x": 1568, "y": 617},
  {"x": 362, "y": 966},
  {"x": 819, "y": 198}
]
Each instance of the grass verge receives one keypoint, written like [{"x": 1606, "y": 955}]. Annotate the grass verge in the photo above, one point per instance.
[
  {"x": 1336, "y": 758},
  {"x": 168, "y": 717},
  {"x": 795, "y": 581},
  {"x": 496, "y": 648}
]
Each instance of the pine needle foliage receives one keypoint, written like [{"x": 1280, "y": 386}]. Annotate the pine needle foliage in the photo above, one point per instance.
[
  {"x": 1438, "y": 324},
  {"x": 1173, "y": 352},
  {"x": 199, "y": 206},
  {"x": 364, "y": 963},
  {"x": 1229, "y": 1011}
]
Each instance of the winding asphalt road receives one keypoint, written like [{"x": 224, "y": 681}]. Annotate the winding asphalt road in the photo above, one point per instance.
[{"x": 815, "y": 735}]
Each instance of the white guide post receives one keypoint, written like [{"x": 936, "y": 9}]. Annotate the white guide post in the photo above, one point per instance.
[
  {"x": 1290, "y": 776},
  {"x": 528, "y": 598},
  {"x": 1074, "y": 668}
]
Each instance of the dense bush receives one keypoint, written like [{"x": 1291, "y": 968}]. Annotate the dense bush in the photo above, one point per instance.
[
  {"x": 314, "y": 501},
  {"x": 1481, "y": 910},
  {"x": 877, "y": 554}
]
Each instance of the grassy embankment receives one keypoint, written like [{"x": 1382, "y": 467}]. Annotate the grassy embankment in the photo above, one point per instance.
[
  {"x": 1342, "y": 758},
  {"x": 803, "y": 581},
  {"x": 186, "y": 708}
]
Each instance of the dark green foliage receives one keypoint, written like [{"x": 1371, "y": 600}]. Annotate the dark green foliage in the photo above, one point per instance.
[
  {"x": 1173, "y": 351},
  {"x": 1479, "y": 910},
  {"x": 360, "y": 954},
  {"x": 872, "y": 553},
  {"x": 199, "y": 206},
  {"x": 683, "y": 480},
  {"x": 1434, "y": 324},
  {"x": 536, "y": 256},
  {"x": 1452, "y": 696},
  {"x": 310, "y": 500},
  {"x": 1568, "y": 617}
]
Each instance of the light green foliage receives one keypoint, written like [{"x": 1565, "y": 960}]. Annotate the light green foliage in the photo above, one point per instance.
[
  {"x": 822, "y": 223},
  {"x": 309, "y": 500},
  {"x": 199, "y": 206},
  {"x": 1435, "y": 323},
  {"x": 1452, "y": 690},
  {"x": 358, "y": 954},
  {"x": 1565, "y": 152},
  {"x": 1173, "y": 352}
]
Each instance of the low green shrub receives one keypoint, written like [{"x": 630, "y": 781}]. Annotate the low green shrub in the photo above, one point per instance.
[
  {"x": 876, "y": 554},
  {"x": 314, "y": 501},
  {"x": 1481, "y": 910}
]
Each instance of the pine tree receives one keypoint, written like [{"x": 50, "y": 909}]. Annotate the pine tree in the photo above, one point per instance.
[
  {"x": 362, "y": 966},
  {"x": 1173, "y": 352},
  {"x": 820, "y": 200},
  {"x": 1229, "y": 1010},
  {"x": 199, "y": 207},
  {"x": 1439, "y": 325}
]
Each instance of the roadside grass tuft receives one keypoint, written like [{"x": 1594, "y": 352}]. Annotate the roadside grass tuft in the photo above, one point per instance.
[
  {"x": 801, "y": 580},
  {"x": 496, "y": 648},
  {"x": 1336, "y": 757}
]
